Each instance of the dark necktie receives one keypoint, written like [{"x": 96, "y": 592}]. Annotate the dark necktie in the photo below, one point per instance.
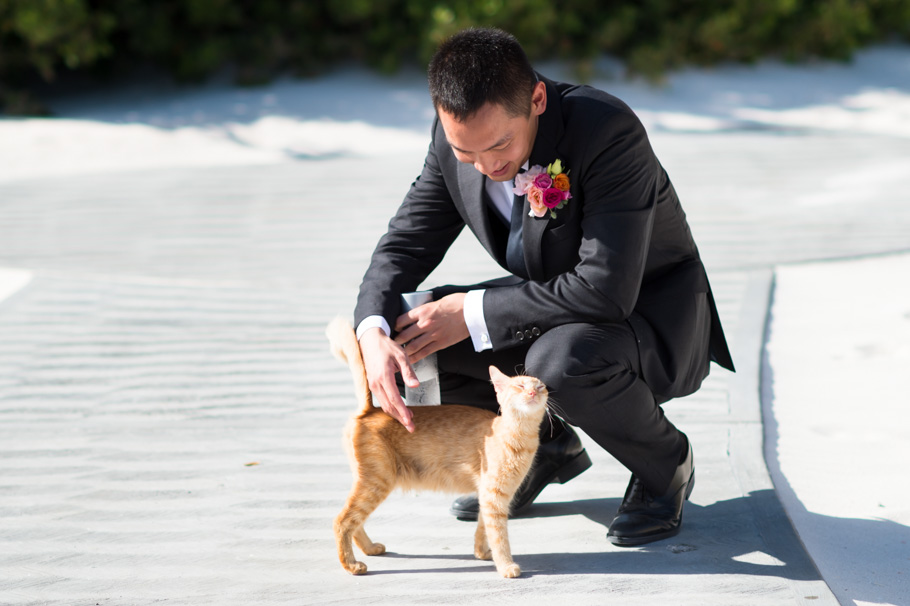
[{"x": 515, "y": 256}]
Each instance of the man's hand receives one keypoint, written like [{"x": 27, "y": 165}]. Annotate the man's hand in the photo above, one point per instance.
[
  {"x": 382, "y": 358},
  {"x": 432, "y": 326}
]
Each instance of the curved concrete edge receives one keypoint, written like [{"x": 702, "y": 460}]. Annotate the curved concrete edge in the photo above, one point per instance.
[
  {"x": 12, "y": 281},
  {"x": 834, "y": 404},
  {"x": 746, "y": 446}
]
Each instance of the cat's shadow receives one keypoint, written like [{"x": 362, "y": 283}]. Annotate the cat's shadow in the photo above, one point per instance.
[{"x": 597, "y": 510}]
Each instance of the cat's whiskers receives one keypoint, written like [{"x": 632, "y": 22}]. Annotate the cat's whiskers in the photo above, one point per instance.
[
  {"x": 553, "y": 406},
  {"x": 551, "y": 418}
]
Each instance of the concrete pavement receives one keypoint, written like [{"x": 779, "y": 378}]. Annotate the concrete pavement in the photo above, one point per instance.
[
  {"x": 170, "y": 416},
  {"x": 836, "y": 422}
]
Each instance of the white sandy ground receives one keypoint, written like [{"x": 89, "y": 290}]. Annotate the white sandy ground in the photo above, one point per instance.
[
  {"x": 13, "y": 280},
  {"x": 219, "y": 124},
  {"x": 837, "y": 430}
]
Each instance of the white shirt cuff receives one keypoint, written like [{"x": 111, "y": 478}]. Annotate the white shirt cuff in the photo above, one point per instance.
[
  {"x": 473, "y": 317},
  {"x": 373, "y": 322}
]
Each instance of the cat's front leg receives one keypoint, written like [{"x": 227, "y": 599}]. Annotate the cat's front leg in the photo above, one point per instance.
[{"x": 495, "y": 516}]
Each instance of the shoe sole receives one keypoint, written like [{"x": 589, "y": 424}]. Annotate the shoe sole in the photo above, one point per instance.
[
  {"x": 574, "y": 468},
  {"x": 636, "y": 541}
]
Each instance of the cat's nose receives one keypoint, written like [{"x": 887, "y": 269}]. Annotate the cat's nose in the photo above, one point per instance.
[{"x": 532, "y": 392}]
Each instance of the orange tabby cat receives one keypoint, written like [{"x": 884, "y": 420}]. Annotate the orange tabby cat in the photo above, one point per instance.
[{"x": 454, "y": 448}]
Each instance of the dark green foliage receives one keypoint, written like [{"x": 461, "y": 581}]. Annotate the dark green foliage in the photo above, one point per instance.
[{"x": 191, "y": 38}]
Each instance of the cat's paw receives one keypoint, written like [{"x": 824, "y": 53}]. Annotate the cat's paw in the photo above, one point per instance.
[
  {"x": 375, "y": 549},
  {"x": 510, "y": 571},
  {"x": 483, "y": 554},
  {"x": 357, "y": 568}
]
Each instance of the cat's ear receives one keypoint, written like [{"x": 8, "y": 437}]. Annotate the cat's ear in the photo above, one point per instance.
[{"x": 498, "y": 378}]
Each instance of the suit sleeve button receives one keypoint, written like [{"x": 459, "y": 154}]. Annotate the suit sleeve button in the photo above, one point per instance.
[
  {"x": 535, "y": 331},
  {"x": 520, "y": 336},
  {"x": 528, "y": 334}
]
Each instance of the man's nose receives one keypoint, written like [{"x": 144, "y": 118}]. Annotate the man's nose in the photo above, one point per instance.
[{"x": 486, "y": 165}]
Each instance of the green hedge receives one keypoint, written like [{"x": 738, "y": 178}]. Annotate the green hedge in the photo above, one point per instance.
[{"x": 191, "y": 38}]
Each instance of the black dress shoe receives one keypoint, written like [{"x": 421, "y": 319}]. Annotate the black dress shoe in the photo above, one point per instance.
[
  {"x": 556, "y": 461},
  {"x": 643, "y": 518}
]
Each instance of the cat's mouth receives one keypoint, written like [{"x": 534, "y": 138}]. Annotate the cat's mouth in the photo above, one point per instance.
[{"x": 531, "y": 405}]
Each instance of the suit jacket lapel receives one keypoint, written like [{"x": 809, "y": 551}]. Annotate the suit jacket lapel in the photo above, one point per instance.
[
  {"x": 471, "y": 184},
  {"x": 549, "y": 133}
]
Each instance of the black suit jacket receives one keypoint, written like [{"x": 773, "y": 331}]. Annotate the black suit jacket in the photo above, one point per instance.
[{"x": 620, "y": 250}]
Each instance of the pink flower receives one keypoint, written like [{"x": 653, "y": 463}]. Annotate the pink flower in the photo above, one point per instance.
[
  {"x": 543, "y": 181},
  {"x": 547, "y": 188},
  {"x": 552, "y": 197},
  {"x": 535, "y": 199},
  {"x": 523, "y": 181}
]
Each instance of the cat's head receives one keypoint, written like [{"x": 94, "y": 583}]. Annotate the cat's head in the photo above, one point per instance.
[{"x": 522, "y": 394}]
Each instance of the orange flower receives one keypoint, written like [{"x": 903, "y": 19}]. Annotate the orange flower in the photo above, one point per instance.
[{"x": 561, "y": 182}]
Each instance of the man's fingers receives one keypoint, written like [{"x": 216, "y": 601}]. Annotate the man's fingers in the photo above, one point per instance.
[
  {"x": 407, "y": 334},
  {"x": 399, "y": 411},
  {"x": 407, "y": 373},
  {"x": 406, "y": 320},
  {"x": 391, "y": 402},
  {"x": 397, "y": 407},
  {"x": 402, "y": 360},
  {"x": 383, "y": 358},
  {"x": 420, "y": 348}
]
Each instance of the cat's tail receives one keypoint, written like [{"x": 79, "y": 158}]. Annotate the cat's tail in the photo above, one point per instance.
[{"x": 344, "y": 346}]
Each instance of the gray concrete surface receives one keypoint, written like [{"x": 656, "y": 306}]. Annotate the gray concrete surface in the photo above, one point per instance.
[
  {"x": 837, "y": 426},
  {"x": 170, "y": 416}
]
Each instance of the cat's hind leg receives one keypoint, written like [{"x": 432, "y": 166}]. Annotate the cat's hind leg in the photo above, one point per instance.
[
  {"x": 366, "y": 545},
  {"x": 365, "y": 497}
]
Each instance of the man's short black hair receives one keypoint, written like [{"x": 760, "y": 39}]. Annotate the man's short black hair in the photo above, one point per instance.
[{"x": 479, "y": 66}]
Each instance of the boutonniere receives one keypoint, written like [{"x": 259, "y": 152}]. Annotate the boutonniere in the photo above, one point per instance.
[{"x": 547, "y": 188}]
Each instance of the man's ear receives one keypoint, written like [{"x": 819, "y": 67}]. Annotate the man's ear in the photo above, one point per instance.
[{"x": 539, "y": 99}]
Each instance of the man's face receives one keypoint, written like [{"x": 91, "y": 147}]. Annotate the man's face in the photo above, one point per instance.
[{"x": 496, "y": 143}]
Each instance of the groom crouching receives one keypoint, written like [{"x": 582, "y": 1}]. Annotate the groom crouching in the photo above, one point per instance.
[{"x": 606, "y": 301}]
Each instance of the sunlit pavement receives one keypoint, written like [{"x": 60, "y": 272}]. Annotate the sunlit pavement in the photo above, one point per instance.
[{"x": 170, "y": 416}]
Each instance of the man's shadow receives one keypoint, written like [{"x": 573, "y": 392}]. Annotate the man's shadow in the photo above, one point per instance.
[
  {"x": 714, "y": 540},
  {"x": 747, "y": 535}
]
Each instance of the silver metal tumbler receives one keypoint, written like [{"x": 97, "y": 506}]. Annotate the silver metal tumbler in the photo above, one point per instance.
[{"x": 427, "y": 393}]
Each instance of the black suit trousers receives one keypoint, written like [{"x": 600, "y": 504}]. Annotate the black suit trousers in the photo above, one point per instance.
[{"x": 593, "y": 375}]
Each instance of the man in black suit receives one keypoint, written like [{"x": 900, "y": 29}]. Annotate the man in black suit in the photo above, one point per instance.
[{"x": 606, "y": 301}]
